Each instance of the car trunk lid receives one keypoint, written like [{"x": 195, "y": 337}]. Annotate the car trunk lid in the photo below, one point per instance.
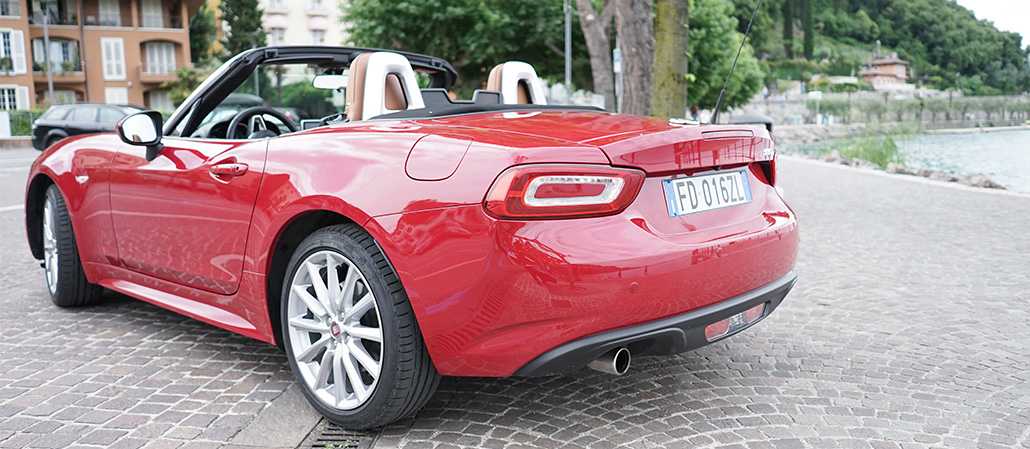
[{"x": 657, "y": 146}]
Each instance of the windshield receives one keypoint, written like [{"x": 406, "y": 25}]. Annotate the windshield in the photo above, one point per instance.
[{"x": 287, "y": 89}]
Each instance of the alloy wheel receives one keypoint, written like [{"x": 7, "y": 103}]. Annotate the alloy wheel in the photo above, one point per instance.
[
  {"x": 50, "y": 254},
  {"x": 336, "y": 335}
]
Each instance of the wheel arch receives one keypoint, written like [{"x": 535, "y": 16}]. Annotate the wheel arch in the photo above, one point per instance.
[
  {"x": 289, "y": 238},
  {"x": 35, "y": 196},
  {"x": 54, "y": 136}
]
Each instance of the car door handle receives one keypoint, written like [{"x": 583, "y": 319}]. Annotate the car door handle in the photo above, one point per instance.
[{"x": 235, "y": 169}]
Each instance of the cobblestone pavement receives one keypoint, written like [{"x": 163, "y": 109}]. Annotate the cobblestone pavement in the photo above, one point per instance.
[
  {"x": 908, "y": 328},
  {"x": 123, "y": 373}
]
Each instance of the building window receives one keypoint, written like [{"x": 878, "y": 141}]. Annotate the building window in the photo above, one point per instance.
[
  {"x": 160, "y": 57},
  {"x": 64, "y": 55},
  {"x": 65, "y": 96},
  {"x": 159, "y": 100},
  {"x": 276, "y": 36},
  {"x": 61, "y": 12},
  {"x": 316, "y": 5},
  {"x": 5, "y": 44},
  {"x": 110, "y": 13},
  {"x": 12, "y": 52},
  {"x": 9, "y": 8},
  {"x": 113, "y": 52},
  {"x": 153, "y": 17},
  {"x": 116, "y": 95},
  {"x": 14, "y": 97},
  {"x": 8, "y": 99},
  {"x": 318, "y": 37},
  {"x": 276, "y": 4}
]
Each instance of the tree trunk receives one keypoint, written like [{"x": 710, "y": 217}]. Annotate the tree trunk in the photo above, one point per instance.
[
  {"x": 595, "y": 31},
  {"x": 634, "y": 23},
  {"x": 669, "y": 91},
  {"x": 788, "y": 28},
  {"x": 808, "y": 25}
]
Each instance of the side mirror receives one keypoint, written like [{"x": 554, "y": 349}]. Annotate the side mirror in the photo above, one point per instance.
[{"x": 141, "y": 128}]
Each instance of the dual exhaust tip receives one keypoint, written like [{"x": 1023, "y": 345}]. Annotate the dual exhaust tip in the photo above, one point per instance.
[{"x": 614, "y": 362}]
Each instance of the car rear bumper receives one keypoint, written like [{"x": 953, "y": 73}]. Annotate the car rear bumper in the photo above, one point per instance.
[
  {"x": 492, "y": 296},
  {"x": 667, "y": 336}
]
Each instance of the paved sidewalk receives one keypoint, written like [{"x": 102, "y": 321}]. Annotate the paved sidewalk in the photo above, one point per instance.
[{"x": 909, "y": 328}]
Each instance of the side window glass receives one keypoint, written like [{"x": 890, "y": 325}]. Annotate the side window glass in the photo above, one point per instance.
[
  {"x": 110, "y": 116},
  {"x": 83, "y": 114},
  {"x": 55, "y": 113}
]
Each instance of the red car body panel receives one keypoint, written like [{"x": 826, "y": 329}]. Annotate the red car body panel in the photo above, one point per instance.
[
  {"x": 489, "y": 295},
  {"x": 199, "y": 220}
]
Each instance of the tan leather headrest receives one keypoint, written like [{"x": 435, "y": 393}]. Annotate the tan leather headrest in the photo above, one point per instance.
[
  {"x": 356, "y": 87},
  {"x": 524, "y": 96},
  {"x": 394, "y": 93},
  {"x": 494, "y": 81}
]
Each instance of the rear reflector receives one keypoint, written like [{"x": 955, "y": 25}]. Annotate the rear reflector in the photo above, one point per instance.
[{"x": 734, "y": 323}]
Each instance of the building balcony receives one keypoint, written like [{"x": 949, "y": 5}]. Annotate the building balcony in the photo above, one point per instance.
[
  {"x": 60, "y": 77},
  {"x": 36, "y": 19},
  {"x": 157, "y": 76}
]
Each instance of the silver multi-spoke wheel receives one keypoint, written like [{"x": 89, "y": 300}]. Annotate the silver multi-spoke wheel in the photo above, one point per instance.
[
  {"x": 350, "y": 333},
  {"x": 336, "y": 335},
  {"x": 50, "y": 256}
]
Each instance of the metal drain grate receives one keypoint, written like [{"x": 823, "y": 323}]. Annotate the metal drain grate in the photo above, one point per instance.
[{"x": 328, "y": 435}]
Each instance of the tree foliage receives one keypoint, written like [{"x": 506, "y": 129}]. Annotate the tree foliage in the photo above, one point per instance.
[
  {"x": 939, "y": 37},
  {"x": 317, "y": 102},
  {"x": 187, "y": 79},
  {"x": 244, "y": 25},
  {"x": 202, "y": 34},
  {"x": 713, "y": 44},
  {"x": 474, "y": 35}
]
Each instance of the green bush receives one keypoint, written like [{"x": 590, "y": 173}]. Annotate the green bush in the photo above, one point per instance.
[
  {"x": 880, "y": 150},
  {"x": 21, "y": 121}
]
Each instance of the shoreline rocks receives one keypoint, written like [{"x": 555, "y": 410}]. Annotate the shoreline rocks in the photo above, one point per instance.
[
  {"x": 974, "y": 180},
  {"x": 980, "y": 180}
]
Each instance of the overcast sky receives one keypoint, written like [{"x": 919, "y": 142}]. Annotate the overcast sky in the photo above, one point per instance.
[{"x": 1007, "y": 15}]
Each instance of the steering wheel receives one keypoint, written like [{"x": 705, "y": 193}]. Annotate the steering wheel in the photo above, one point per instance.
[{"x": 256, "y": 124}]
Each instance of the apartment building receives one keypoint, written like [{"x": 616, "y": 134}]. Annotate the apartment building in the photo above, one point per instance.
[
  {"x": 101, "y": 51},
  {"x": 303, "y": 22}
]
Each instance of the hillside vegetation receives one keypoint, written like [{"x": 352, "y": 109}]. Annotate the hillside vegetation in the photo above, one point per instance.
[{"x": 947, "y": 46}]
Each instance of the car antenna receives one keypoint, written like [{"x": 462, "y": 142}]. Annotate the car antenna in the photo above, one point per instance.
[{"x": 718, "y": 103}]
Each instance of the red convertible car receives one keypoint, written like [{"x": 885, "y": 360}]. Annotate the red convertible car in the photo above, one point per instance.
[{"x": 410, "y": 235}]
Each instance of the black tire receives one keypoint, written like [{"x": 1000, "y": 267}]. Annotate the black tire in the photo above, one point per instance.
[
  {"x": 51, "y": 141},
  {"x": 330, "y": 343},
  {"x": 66, "y": 281}
]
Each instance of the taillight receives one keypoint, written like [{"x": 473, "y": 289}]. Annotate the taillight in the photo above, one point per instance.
[
  {"x": 765, "y": 171},
  {"x": 562, "y": 191}
]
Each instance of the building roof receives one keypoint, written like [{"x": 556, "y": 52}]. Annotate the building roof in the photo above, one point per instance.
[
  {"x": 889, "y": 61},
  {"x": 874, "y": 72}
]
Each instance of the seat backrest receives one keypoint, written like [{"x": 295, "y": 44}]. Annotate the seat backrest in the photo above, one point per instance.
[
  {"x": 380, "y": 83},
  {"x": 517, "y": 82}
]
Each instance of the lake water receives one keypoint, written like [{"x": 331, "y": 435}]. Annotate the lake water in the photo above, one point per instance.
[{"x": 1004, "y": 156}]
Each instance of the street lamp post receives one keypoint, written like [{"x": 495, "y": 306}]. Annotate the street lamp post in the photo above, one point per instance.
[{"x": 46, "y": 51}]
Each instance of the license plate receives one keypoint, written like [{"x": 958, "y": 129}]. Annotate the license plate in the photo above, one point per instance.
[{"x": 702, "y": 193}]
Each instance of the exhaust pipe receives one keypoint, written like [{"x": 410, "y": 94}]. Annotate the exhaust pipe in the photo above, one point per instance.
[{"x": 614, "y": 362}]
